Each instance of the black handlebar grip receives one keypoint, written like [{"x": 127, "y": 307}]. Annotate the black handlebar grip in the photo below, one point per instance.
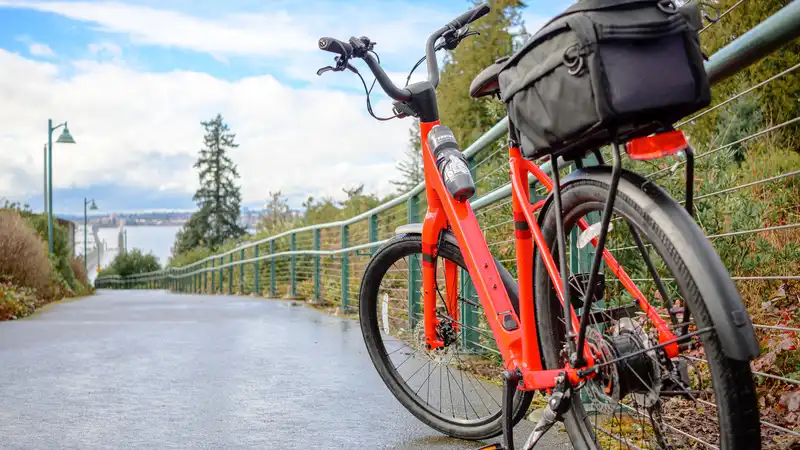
[
  {"x": 335, "y": 46},
  {"x": 471, "y": 16}
]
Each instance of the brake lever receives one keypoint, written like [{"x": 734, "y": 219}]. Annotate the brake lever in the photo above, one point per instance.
[
  {"x": 454, "y": 37},
  {"x": 325, "y": 69},
  {"x": 338, "y": 68}
]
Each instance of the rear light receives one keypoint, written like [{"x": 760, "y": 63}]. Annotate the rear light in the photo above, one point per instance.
[{"x": 657, "y": 145}]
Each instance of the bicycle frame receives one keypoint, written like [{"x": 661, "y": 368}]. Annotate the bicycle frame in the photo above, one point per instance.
[{"x": 516, "y": 336}]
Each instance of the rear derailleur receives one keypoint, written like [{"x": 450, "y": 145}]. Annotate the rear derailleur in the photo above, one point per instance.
[{"x": 557, "y": 405}]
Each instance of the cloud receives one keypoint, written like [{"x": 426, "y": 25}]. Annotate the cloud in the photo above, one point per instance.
[
  {"x": 36, "y": 48},
  {"x": 275, "y": 31},
  {"x": 43, "y": 50},
  {"x": 143, "y": 130},
  {"x": 105, "y": 48}
]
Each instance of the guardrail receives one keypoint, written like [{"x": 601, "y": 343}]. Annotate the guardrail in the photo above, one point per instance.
[{"x": 325, "y": 261}]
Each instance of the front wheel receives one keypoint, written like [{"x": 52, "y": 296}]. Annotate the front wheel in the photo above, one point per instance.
[
  {"x": 700, "y": 399},
  {"x": 455, "y": 389}
]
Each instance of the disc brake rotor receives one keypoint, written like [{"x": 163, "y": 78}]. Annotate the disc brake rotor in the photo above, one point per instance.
[{"x": 603, "y": 390}]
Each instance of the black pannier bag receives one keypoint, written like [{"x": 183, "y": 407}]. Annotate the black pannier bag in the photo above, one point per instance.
[{"x": 604, "y": 70}]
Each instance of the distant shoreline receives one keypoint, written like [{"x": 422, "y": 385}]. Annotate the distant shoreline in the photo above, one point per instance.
[{"x": 142, "y": 225}]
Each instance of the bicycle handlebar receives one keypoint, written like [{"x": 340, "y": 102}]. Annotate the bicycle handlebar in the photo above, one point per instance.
[
  {"x": 346, "y": 50},
  {"x": 335, "y": 46},
  {"x": 470, "y": 16}
]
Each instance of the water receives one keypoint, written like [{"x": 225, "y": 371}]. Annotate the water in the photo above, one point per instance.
[{"x": 157, "y": 240}]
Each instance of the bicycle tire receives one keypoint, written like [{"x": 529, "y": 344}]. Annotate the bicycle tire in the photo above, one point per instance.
[
  {"x": 394, "y": 250},
  {"x": 654, "y": 213}
]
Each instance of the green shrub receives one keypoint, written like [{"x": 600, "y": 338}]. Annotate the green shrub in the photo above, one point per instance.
[
  {"x": 61, "y": 251},
  {"x": 131, "y": 263}
]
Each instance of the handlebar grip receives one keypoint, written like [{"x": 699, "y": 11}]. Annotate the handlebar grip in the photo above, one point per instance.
[
  {"x": 335, "y": 46},
  {"x": 471, "y": 16}
]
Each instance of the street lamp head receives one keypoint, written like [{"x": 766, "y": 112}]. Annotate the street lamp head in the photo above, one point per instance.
[
  {"x": 65, "y": 137},
  {"x": 93, "y": 206}
]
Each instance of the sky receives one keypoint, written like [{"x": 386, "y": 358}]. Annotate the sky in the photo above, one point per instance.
[{"x": 134, "y": 78}]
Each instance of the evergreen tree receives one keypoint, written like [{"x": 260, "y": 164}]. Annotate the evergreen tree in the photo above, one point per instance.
[
  {"x": 219, "y": 198},
  {"x": 469, "y": 118},
  {"x": 411, "y": 168}
]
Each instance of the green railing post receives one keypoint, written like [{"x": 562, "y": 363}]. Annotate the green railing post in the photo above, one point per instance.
[
  {"x": 469, "y": 315},
  {"x": 272, "y": 282},
  {"x": 205, "y": 276},
  {"x": 213, "y": 275},
  {"x": 293, "y": 265},
  {"x": 473, "y": 171},
  {"x": 345, "y": 269},
  {"x": 241, "y": 274},
  {"x": 317, "y": 293},
  {"x": 256, "y": 275},
  {"x": 230, "y": 275},
  {"x": 221, "y": 274},
  {"x": 373, "y": 232},
  {"x": 414, "y": 273}
]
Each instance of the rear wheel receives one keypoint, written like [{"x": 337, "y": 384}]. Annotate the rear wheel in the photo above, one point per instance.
[
  {"x": 701, "y": 399},
  {"x": 455, "y": 390}
]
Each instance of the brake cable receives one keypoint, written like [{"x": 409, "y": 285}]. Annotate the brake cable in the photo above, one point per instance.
[
  {"x": 369, "y": 91},
  {"x": 450, "y": 41}
]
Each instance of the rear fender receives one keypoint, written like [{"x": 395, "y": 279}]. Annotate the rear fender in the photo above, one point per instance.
[{"x": 722, "y": 299}]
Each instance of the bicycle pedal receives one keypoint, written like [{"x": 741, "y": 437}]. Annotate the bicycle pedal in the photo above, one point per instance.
[{"x": 492, "y": 447}]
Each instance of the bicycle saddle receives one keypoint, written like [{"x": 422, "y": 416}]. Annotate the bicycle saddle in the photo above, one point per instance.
[{"x": 486, "y": 82}]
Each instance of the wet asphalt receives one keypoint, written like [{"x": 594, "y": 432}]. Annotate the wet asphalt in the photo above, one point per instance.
[{"x": 154, "y": 370}]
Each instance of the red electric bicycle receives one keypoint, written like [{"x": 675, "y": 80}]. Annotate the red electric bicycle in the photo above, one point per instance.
[{"x": 654, "y": 354}]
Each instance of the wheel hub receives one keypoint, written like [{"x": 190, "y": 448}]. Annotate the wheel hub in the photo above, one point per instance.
[{"x": 638, "y": 375}]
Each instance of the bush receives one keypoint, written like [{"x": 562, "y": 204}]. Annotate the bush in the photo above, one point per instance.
[
  {"x": 61, "y": 251},
  {"x": 16, "y": 302},
  {"x": 131, "y": 263},
  {"x": 23, "y": 255},
  {"x": 82, "y": 278}
]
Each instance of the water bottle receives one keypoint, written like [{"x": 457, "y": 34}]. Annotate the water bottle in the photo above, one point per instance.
[{"x": 451, "y": 163}]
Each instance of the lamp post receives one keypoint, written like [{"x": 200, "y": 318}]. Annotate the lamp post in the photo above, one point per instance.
[
  {"x": 92, "y": 206},
  {"x": 44, "y": 176},
  {"x": 64, "y": 138}
]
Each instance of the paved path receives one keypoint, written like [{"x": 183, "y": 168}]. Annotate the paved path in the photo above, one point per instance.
[{"x": 152, "y": 370}]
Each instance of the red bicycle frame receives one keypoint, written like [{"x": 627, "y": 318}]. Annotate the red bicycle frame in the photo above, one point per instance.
[{"x": 516, "y": 335}]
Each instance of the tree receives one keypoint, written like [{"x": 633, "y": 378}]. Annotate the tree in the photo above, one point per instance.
[
  {"x": 469, "y": 118},
  {"x": 132, "y": 263},
  {"x": 193, "y": 233},
  {"x": 278, "y": 216},
  {"x": 218, "y": 197},
  {"x": 411, "y": 169}
]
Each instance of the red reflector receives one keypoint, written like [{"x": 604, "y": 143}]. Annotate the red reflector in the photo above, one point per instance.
[{"x": 657, "y": 145}]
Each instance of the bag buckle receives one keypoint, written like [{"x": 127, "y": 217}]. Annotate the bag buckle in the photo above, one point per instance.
[
  {"x": 573, "y": 62},
  {"x": 667, "y": 6}
]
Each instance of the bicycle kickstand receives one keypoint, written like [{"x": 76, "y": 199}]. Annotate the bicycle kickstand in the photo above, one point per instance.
[
  {"x": 510, "y": 381},
  {"x": 557, "y": 405}
]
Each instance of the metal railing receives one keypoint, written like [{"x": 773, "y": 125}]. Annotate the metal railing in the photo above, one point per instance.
[{"x": 326, "y": 261}]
